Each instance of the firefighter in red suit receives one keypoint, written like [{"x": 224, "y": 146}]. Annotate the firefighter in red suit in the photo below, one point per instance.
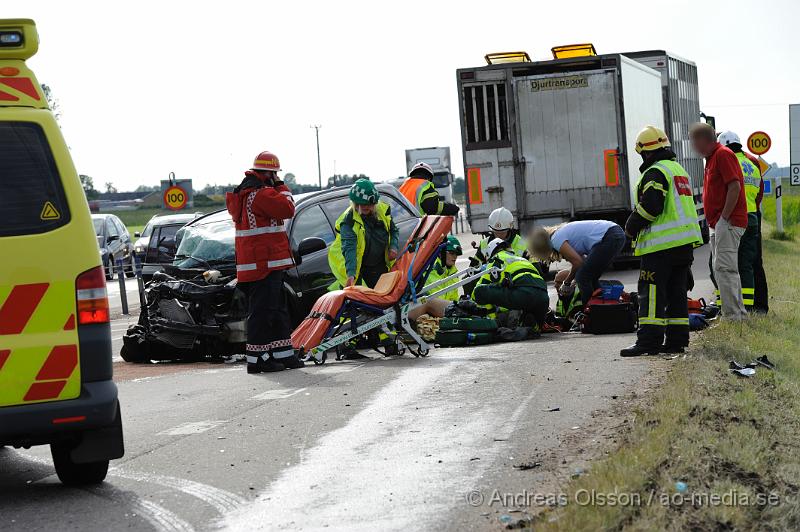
[{"x": 259, "y": 208}]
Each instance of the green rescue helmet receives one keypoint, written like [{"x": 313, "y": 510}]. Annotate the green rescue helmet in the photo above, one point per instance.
[
  {"x": 363, "y": 192},
  {"x": 453, "y": 245}
]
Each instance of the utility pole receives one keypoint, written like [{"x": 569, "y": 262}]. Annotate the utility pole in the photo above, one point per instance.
[{"x": 319, "y": 166}]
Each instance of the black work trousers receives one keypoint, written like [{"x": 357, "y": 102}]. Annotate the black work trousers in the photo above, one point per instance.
[
  {"x": 268, "y": 327},
  {"x": 663, "y": 311},
  {"x": 761, "y": 295}
]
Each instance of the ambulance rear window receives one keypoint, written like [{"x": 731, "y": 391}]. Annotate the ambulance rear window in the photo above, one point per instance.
[{"x": 33, "y": 199}]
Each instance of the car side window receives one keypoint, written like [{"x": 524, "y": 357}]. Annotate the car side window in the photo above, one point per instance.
[
  {"x": 334, "y": 208},
  {"x": 399, "y": 211},
  {"x": 309, "y": 223},
  {"x": 166, "y": 243},
  {"x": 111, "y": 228},
  {"x": 120, "y": 226}
]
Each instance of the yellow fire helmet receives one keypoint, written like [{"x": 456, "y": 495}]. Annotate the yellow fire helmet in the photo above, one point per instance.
[{"x": 651, "y": 138}]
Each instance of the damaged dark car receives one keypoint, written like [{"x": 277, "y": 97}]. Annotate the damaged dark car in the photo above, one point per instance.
[{"x": 193, "y": 310}]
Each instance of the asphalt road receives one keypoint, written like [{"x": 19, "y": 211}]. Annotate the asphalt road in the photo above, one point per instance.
[{"x": 396, "y": 444}]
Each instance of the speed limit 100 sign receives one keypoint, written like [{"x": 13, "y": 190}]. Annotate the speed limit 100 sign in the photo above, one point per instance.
[
  {"x": 175, "y": 198},
  {"x": 759, "y": 143}
]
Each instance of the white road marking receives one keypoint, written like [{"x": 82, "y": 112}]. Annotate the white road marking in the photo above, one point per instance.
[
  {"x": 191, "y": 427},
  {"x": 280, "y": 393},
  {"x": 404, "y": 460}
]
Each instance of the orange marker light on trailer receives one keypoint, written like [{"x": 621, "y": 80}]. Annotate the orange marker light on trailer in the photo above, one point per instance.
[{"x": 9, "y": 71}]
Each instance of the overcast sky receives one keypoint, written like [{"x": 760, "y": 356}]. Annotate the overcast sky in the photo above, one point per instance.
[{"x": 199, "y": 88}]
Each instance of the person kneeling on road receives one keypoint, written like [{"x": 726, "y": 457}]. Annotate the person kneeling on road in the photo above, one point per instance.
[
  {"x": 589, "y": 245},
  {"x": 259, "y": 206},
  {"x": 445, "y": 266},
  {"x": 518, "y": 285},
  {"x": 664, "y": 225},
  {"x": 366, "y": 245}
]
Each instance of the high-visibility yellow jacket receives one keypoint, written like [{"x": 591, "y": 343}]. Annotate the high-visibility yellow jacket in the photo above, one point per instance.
[
  {"x": 752, "y": 181},
  {"x": 677, "y": 224},
  {"x": 440, "y": 271},
  {"x": 336, "y": 258}
]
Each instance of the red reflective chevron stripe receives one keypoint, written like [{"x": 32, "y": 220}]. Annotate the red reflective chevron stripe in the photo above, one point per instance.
[
  {"x": 6, "y": 97},
  {"x": 19, "y": 307},
  {"x": 23, "y": 85},
  {"x": 44, "y": 390},
  {"x": 60, "y": 363},
  {"x": 4, "y": 354}
]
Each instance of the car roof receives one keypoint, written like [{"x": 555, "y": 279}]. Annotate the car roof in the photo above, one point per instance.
[
  {"x": 166, "y": 219},
  {"x": 301, "y": 199}
]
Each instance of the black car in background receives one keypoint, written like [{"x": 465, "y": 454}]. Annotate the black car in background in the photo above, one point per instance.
[
  {"x": 156, "y": 244},
  {"x": 189, "y": 315},
  {"x": 115, "y": 244}
]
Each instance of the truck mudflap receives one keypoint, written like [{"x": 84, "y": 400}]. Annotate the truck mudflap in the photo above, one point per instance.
[{"x": 102, "y": 443}]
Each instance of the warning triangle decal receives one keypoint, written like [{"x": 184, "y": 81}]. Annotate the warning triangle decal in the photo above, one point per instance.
[{"x": 49, "y": 212}]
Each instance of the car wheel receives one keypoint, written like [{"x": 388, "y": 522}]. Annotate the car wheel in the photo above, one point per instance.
[
  {"x": 109, "y": 268},
  {"x": 131, "y": 269},
  {"x": 73, "y": 474}
]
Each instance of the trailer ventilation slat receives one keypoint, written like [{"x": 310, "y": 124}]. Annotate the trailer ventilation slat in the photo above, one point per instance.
[{"x": 485, "y": 113}]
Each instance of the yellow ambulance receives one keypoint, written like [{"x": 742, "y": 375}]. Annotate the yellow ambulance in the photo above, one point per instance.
[{"x": 55, "y": 336}]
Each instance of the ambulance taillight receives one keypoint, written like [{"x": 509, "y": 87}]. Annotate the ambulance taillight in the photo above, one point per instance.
[{"x": 92, "y": 297}]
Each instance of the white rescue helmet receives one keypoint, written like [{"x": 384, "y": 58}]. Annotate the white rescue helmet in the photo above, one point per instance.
[
  {"x": 422, "y": 170},
  {"x": 501, "y": 219},
  {"x": 726, "y": 138},
  {"x": 495, "y": 245}
]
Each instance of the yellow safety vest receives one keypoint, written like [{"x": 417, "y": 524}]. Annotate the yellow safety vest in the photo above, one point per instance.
[
  {"x": 440, "y": 271},
  {"x": 335, "y": 255},
  {"x": 752, "y": 181},
  {"x": 677, "y": 224},
  {"x": 516, "y": 246}
]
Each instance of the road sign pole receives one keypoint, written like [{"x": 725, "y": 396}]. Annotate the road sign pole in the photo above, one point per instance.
[{"x": 778, "y": 208}]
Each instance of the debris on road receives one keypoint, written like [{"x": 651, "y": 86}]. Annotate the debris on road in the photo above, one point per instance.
[{"x": 525, "y": 466}]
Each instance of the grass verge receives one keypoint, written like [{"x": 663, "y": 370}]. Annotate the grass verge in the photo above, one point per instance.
[{"x": 733, "y": 442}]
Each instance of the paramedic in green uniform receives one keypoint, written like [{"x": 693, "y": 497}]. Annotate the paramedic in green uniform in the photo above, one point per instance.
[{"x": 518, "y": 286}]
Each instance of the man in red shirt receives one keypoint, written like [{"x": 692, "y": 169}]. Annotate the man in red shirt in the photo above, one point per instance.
[{"x": 725, "y": 209}]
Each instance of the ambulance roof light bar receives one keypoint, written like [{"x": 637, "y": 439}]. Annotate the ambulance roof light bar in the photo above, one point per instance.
[
  {"x": 18, "y": 39},
  {"x": 499, "y": 58},
  {"x": 573, "y": 50}
]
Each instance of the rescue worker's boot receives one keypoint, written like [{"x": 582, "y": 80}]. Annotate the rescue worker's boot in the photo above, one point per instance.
[
  {"x": 672, "y": 349},
  {"x": 636, "y": 350},
  {"x": 263, "y": 363},
  {"x": 292, "y": 362}
]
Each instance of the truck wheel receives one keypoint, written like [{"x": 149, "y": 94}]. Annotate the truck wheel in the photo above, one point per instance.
[{"x": 72, "y": 474}]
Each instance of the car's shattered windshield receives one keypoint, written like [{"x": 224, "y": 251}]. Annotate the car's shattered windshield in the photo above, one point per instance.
[{"x": 204, "y": 245}]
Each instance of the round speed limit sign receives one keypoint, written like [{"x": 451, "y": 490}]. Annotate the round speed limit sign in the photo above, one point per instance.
[
  {"x": 175, "y": 198},
  {"x": 759, "y": 143}
]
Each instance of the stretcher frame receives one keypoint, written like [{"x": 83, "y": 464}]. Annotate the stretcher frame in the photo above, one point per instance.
[{"x": 397, "y": 315}]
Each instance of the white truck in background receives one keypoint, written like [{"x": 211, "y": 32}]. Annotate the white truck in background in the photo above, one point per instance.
[
  {"x": 552, "y": 141},
  {"x": 439, "y": 160}
]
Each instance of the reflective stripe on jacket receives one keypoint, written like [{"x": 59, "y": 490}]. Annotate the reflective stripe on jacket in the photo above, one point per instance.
[
  {"x": 677, "y": 224},
  {"x": 417, "y": 190},
  {"x": 440, "y": 271},
  {"x": 261, "y": 243},
  {"x": 336, "y": 258},
  {"x": 752, "y": 181},
  {"x": 516, "y": 246}
]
